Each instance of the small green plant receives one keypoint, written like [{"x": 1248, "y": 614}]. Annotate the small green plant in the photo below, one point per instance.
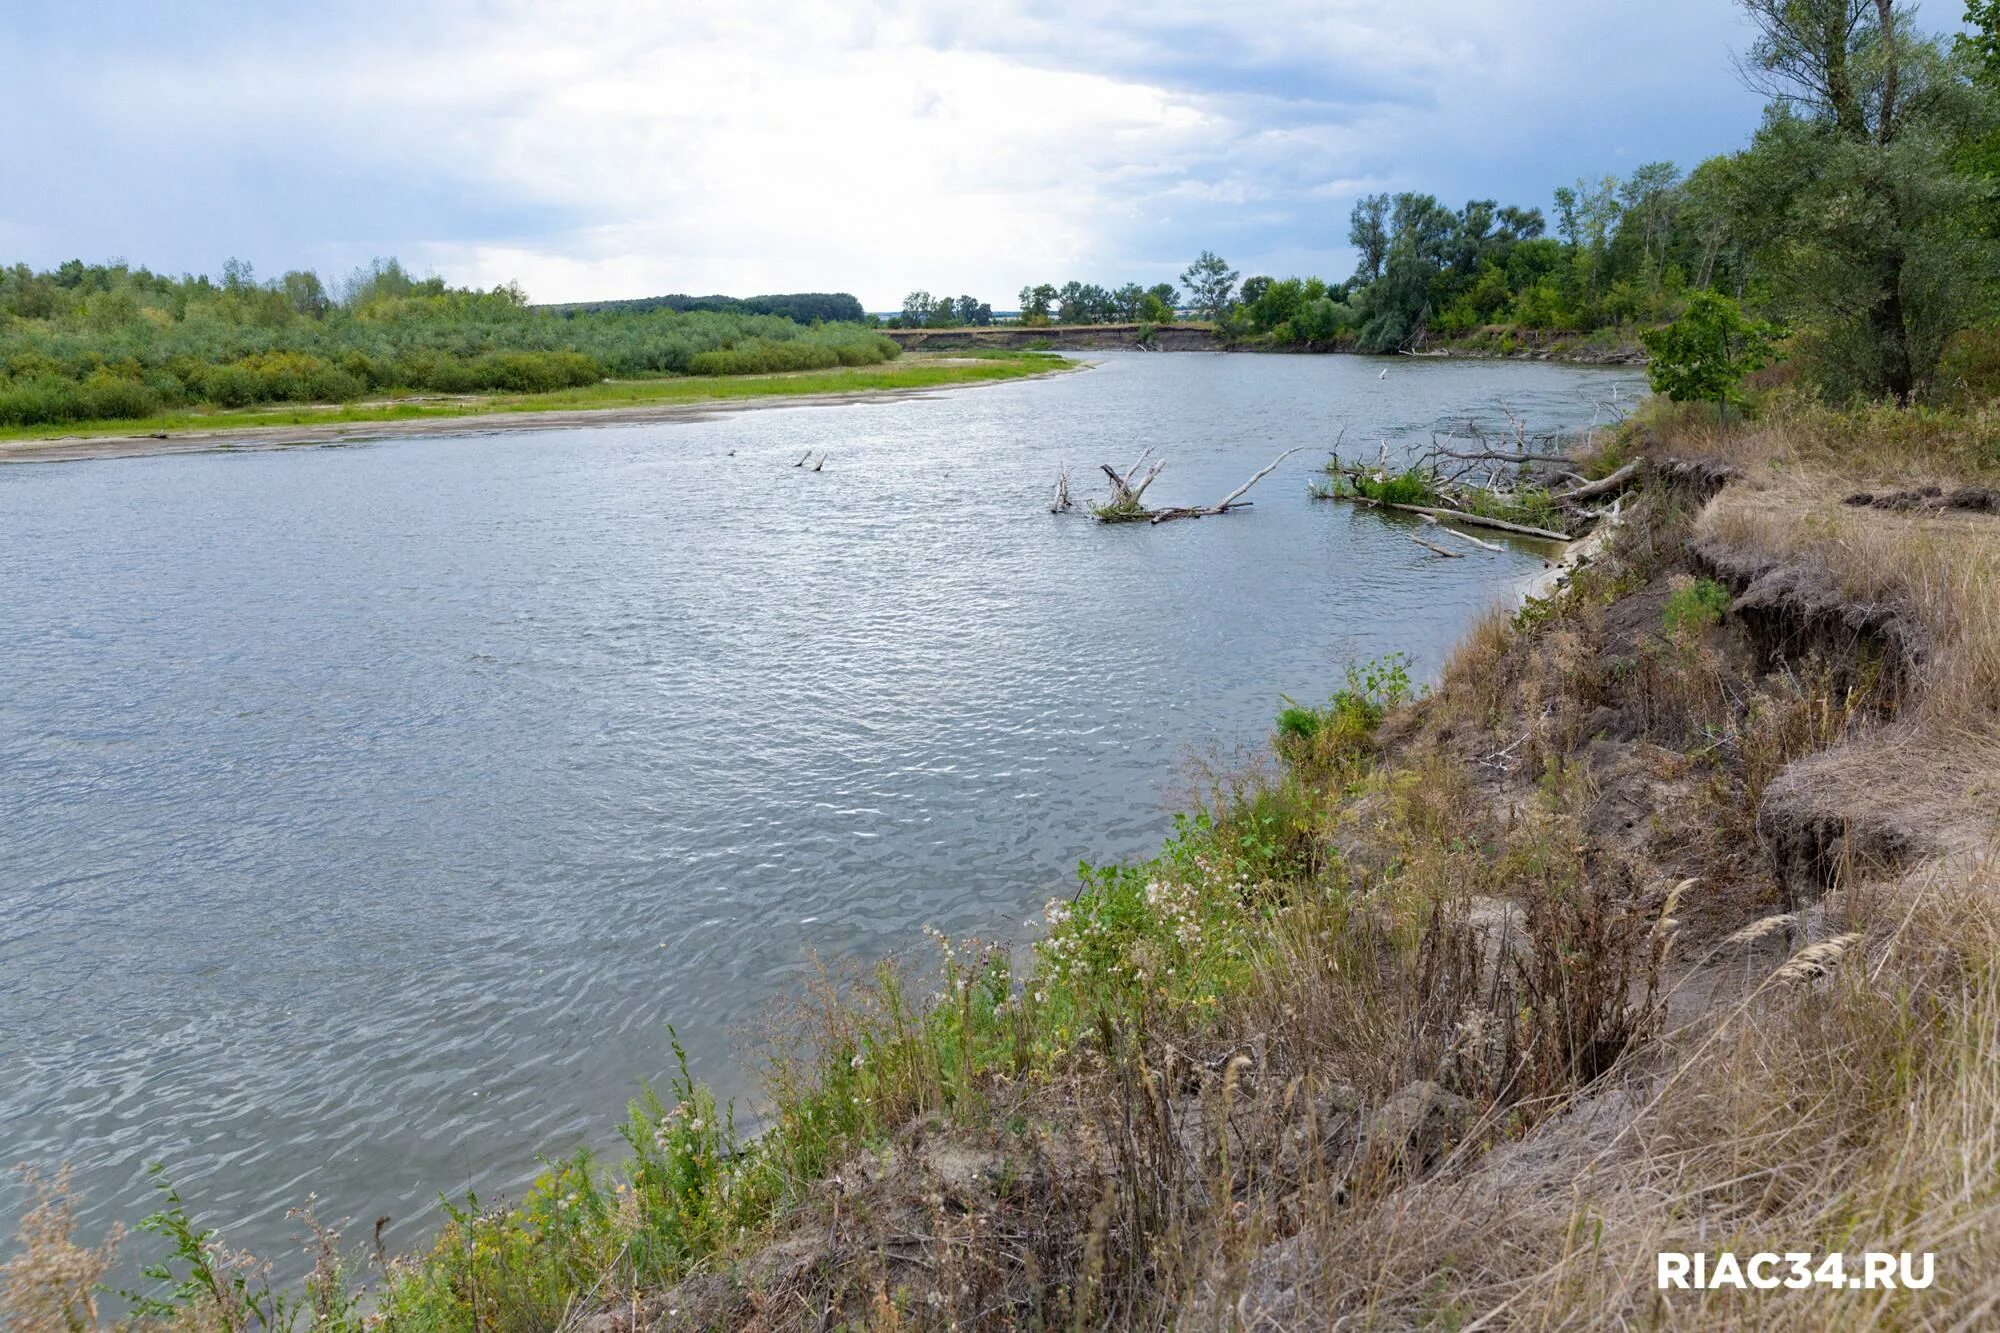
[
  {"x": 679, "y": 1160},
  {"x": 1412, "y": 487},
  {"x": 1704, "y": 356},
  {"x": 1694, "y": 607},
  {"x": 199, "y": 1277},
  {"x": 1316, "y": 739}
]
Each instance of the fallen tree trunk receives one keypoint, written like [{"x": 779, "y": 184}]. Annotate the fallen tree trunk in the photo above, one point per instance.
[
  {"x": 1464, "y": 536},
  {"x": 1476, "y": 520},
  {"x": 1441, "y": 550},
  {"x": 1126, "y": 506},
  {"x": 1602, "y": 486},
  {"x": 1270, "y": 467}
]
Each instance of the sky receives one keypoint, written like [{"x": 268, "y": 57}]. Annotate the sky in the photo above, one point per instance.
[{"x": 619, "y": 148}]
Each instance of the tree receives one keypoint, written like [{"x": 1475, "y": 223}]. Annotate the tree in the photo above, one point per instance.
[
  {"x": 1705, "y": 354},
  {"x": 1982, "y": 44},
  {"x": 1566, "y": 218},
  {"x": 1210, "y": 284},
  {"x": 1072, "y": 304},
  {"x": 1878, "y": 246},
  {"x": 1979, "y": 49},
  {"x": 306, "y": 294},
  {"x": 1168, "y": 297},
  {"x": 1128, "y": 299},
  {"x": 1035, "y": 303},
  {"x": 917, "y": 308},
  {"x": 1644, "y": 202},
  {"x": 1368, "y": 232},
  {"x": 1804, "y": 56}
]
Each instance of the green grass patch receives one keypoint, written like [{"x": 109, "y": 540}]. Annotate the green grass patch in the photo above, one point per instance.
[
  {"x": 1694, "y": 607},
  {"x": 909, "y": 372}
]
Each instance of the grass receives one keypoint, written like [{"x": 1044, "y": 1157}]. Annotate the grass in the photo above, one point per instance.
[
  {"x": 912, "y": 371},
  {"x": 1528, "y": 505},
  {"x": 1696, "y": 605}
]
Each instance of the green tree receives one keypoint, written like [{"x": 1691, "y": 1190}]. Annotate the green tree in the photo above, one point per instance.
[
  {"x": 1210, "y": 285},
  {"x": 1368, "y": 233},
  {"x": 1982, "y": 43},
  {"x": 1703, "y": 356},
  {"x": 1878, "y": 246},
  {"x": 1072, "y": 303},
  {"x": 1035, "y": 303}
]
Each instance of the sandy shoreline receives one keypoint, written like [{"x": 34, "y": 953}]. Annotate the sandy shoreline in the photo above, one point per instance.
[{"x": 63, "y": 449}]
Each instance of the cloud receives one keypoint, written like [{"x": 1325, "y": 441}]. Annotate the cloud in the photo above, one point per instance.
[{"x": 617, "y": 149}]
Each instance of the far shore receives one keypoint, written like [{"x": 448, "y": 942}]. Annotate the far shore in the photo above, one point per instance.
[{"x": 475, "y": 417}]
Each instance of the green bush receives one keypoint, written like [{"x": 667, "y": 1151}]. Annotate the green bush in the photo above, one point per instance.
[
  {"x": 231, "y": 386},
  {"x": 1969, "y": 371},
  {"x": 1696, "y": 606},
  {"x": 1406, "y": 488},
  {"x": 108, "y": 340}
]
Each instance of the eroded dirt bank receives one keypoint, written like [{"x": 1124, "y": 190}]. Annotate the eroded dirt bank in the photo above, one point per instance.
[{"x": 1665, "y": 923}]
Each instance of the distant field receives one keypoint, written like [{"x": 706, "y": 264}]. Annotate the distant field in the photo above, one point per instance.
[{"x": 915, "y": 371}]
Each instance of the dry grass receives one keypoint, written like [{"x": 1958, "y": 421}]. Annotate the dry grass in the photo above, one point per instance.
[
  {"x": 52, "y": 1283},
  {"x": 1478, "y": 1007}
]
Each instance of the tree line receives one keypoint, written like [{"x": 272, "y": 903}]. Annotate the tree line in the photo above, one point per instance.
[
  {"x": 87, "y": 342},
  {"x": 800, "y": 307},
  {"x": 1863, "y": 218}
]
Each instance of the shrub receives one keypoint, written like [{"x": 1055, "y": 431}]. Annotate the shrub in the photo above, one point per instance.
[
  {"x": 106, "y": 396},
  {"x": 1969, "y": 372},
  {"x": 1407, "y": 488},
  {"x": 231, "y": 386},
  {"x": 531, "y": 372},
  {"x": 1695, "y": 606}
]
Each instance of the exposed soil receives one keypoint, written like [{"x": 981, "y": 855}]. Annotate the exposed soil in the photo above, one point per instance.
[{"x": 1718, "y": 766}]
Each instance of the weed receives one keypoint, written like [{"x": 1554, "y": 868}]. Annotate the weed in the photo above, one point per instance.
[{"x": 1696, "y": 605}]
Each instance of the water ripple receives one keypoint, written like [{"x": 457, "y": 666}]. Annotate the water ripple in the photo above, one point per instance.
[{"x": 369, "y": 812}]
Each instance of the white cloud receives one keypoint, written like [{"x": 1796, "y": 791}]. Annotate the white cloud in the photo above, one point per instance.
[{"x": 624, "y": 148}]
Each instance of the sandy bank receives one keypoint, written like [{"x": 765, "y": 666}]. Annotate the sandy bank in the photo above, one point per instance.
[{"x": 71, "y": 448}]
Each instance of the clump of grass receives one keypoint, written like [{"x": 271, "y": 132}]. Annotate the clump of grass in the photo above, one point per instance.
[
  {"x": 53, "y": 1281},
  {"x": 1411, "y": 487},
  {"x": 1696, "y": 605},
  {"x": 1317, "y": 738}
]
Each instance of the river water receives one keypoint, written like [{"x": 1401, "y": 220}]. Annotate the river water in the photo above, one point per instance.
[{"x": 368, "y": 812}]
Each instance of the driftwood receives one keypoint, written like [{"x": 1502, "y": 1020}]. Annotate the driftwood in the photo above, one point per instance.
[
  {"x": 822, "y": 463},
  {"x": 1268, "y": 469},
  {"x": 1605, "y": 486},
  {"x": 1060, "y": 505},
  {"x": 1476, "y": 520},
  {"x": 1441, "y": 550},
  {"x": 1463, "y": 536},
  {"x": 802, "y": 458},
  {"x": 1128, "y": 491}
]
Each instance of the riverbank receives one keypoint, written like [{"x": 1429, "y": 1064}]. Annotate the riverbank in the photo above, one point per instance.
[
  {"x": 1604, "y": 347},
  {"x": 1665, "y": 922},
  {"x": 1468, "y": 1006},
  {"x": 690, "y": 398}
]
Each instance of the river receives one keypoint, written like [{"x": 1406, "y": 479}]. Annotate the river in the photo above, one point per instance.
[{"x": 368, "y": 812}]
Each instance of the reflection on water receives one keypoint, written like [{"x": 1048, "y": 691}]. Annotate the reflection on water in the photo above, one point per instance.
[{"x": 370, "y": 811}]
